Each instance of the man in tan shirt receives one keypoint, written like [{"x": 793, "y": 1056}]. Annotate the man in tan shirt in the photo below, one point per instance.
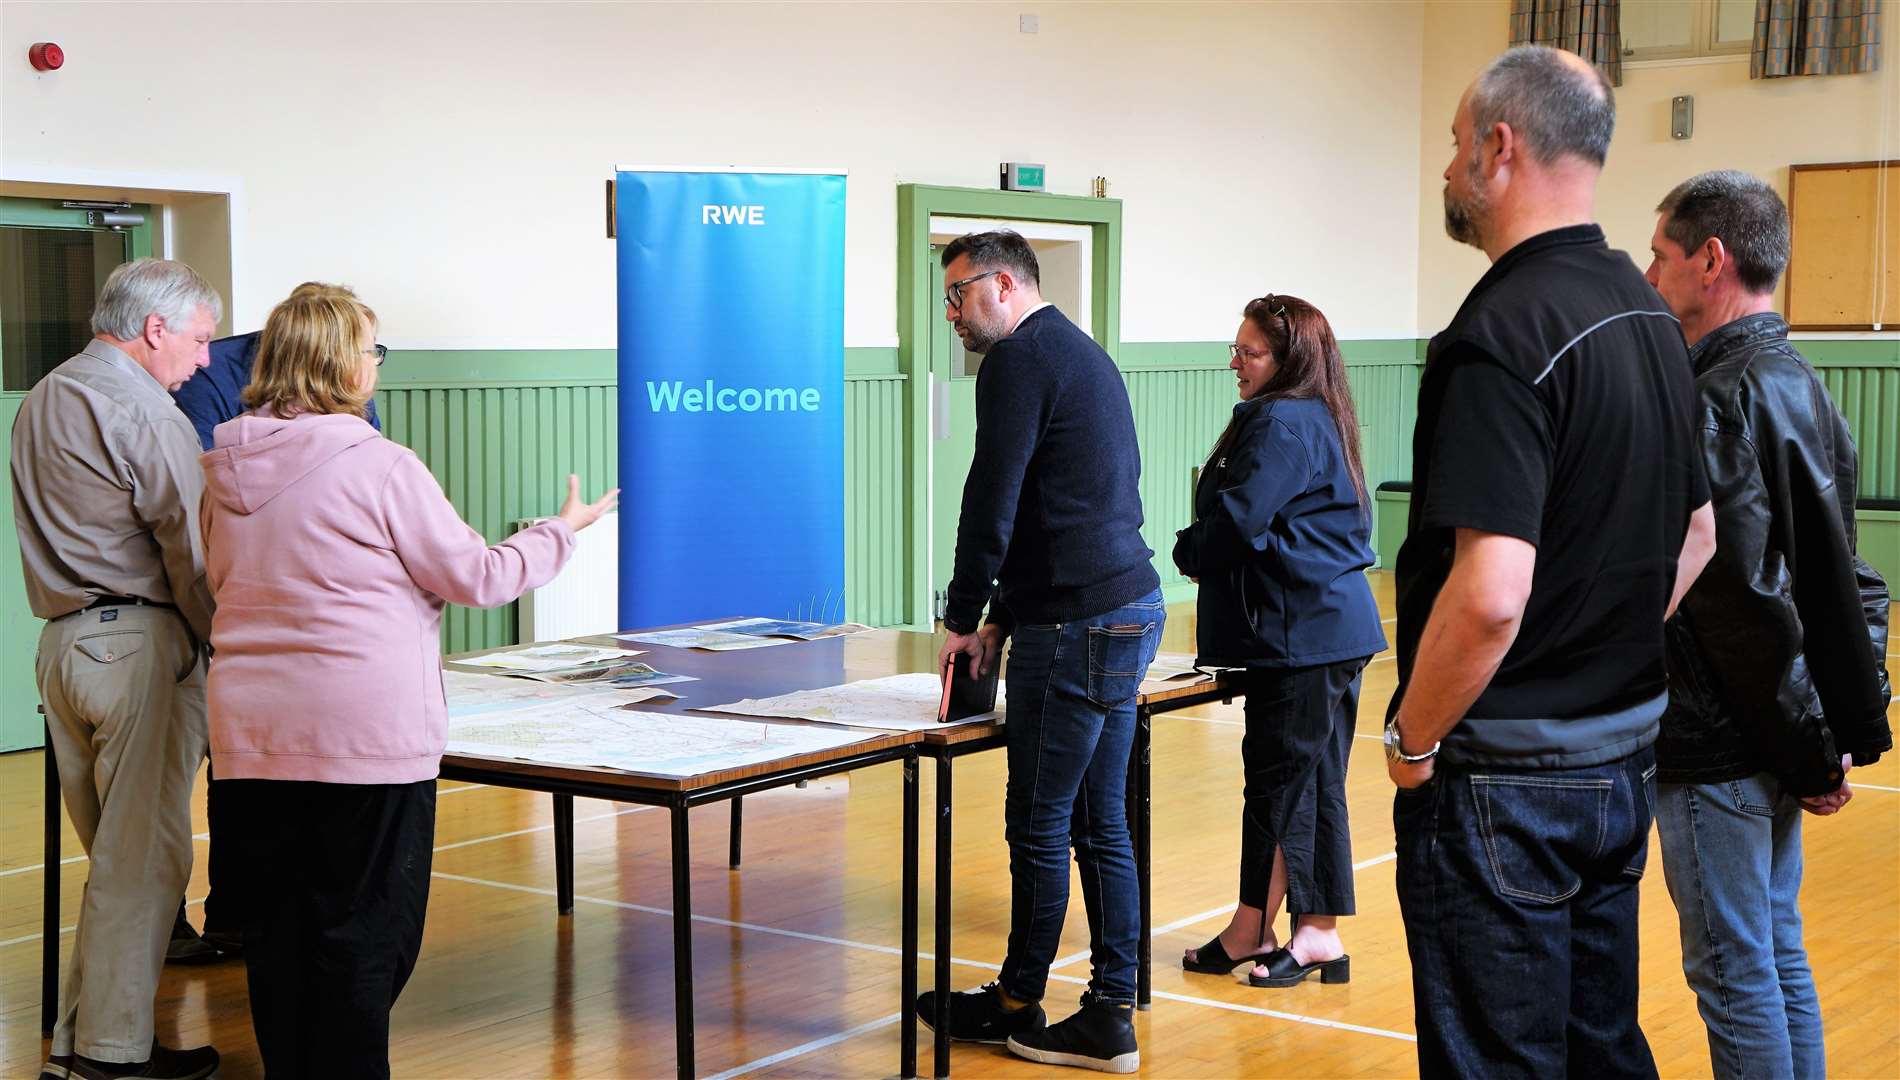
[{"x": 106, "y": 485}]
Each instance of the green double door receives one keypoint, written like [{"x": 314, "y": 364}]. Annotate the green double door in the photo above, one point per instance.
[{"x": 52, "y": 263}]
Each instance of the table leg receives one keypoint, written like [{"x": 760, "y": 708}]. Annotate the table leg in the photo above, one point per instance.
[
  {"x": 564, "y": 854},
  {"x": 940, "y": 1023},
  {"x": 682, "y": 943},
  {"x": 907, "y": 1009},
  {"x": 738, "y": 815},
  {"x": 1140, "y": 774},
  {"x": 49, "y": 943}
]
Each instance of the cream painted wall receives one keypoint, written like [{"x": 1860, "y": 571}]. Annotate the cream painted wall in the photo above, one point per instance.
[
  {"x": 1760, "y": 126},
  {"x": 1461, "y": 36},
  {"x": 447, "y": 159}
]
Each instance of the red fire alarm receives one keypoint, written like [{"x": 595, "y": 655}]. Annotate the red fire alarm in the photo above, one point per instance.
[{"x": 46, "y": 56}]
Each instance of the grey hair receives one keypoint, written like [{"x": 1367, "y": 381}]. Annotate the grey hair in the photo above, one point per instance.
[
  {"x": 1558, "y": 110},
  {"x": 1742, "y": 211},
  {"x": 171, "y": 290}
]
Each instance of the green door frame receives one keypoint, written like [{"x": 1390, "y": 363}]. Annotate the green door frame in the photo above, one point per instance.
[
  {"x": 19, "y": 630},
  {"x": 920, "y": 299}
]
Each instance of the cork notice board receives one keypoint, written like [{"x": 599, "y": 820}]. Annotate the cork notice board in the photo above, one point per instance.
[{"x": 1844, "y": 266}]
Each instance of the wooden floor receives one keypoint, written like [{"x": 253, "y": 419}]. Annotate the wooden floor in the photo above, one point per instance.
[{"x": 796, "y": 953}]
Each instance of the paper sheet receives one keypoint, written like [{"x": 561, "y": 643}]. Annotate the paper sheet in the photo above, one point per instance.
[
  {"x": 892, "y": 703},
  {"x": 590, "y": 731},
  {"x": 1171, "y": 671},
  {"x": 618, "y": 676},
  {"x": 548, "y": 657},
  {"x": 697, "y": 638},
  {"x": 470, "y": 694},
  {"x": 786, "y": 628}
]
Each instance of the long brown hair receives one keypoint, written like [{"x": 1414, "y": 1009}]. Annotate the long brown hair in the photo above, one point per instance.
[{"x": 1309, "y": 366}]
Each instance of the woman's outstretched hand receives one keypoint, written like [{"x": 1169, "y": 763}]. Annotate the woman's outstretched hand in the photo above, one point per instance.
[{"x": 580, "y": 515}]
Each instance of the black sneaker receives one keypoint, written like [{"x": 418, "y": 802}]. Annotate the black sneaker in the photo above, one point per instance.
[
  {"x": 1099, "y": 1037},
  {"x": 978, "y": 1015},
  {"x": 57, "y": 1067},
  {"x": 164, "y": 1064}
]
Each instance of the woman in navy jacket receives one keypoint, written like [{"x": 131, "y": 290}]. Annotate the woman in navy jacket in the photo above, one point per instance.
[{"x": 1279, "y": 545}]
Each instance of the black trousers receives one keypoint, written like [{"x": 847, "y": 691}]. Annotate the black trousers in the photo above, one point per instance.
[
  {"x": 223, "y": 906},
  {"x": 335, "y": 881},
  {"x": 1299, "y": 737}
]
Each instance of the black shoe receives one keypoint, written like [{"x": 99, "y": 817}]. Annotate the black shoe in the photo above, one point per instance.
[
  {"x": 57, "y": 1067},
  {"x": 1212, "y": 959},
  {"x": 978, "y": 1015},
  {"x": 1099, "y": 1037},
  {"x": 186, "y": 947},
  {"x": 228, "y": 942},
  {"x": 164, "y": 1064},
  {"x": 1283, "y": 970}
]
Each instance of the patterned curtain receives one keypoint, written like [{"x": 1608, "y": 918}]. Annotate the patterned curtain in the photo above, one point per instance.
[
  {"x": 1815, "y": 37},
  {"x": 1588, "y": 28}
]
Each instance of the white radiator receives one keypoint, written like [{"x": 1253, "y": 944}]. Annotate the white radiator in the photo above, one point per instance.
[{"x": 584, "y": 598}]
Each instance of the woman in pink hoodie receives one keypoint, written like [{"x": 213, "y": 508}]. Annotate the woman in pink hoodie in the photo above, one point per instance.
[{"x": 331, "y": 551}]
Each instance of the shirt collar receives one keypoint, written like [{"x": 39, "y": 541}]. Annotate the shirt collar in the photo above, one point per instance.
[
  {"x": 1027, "y": 314},
  {"x": 107, "y": 353}
]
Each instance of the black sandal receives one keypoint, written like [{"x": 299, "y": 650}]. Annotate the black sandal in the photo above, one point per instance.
[
  {"x": 1283, "y": 970},
  {"x": 1212, "y": 959}
]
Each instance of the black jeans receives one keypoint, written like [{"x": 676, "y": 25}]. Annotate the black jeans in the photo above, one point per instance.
[
  {"x": 1519, "y": 893},
  {"x": 335, "y": 879},
  {"x": 1299, "y": 737}
]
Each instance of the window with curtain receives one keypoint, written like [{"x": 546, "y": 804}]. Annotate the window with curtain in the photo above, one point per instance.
[
  {"x": 1588, "y": 28},
  {"x": 1815, "y": 37}
]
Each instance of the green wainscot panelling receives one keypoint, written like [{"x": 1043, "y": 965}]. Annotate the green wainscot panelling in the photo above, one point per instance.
[{"x": 1864, "y": 378}]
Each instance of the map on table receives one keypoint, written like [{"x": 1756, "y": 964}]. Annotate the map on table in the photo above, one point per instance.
[
  {"x": 594, "y": 730},
  {"x": 893, "y": 703}
]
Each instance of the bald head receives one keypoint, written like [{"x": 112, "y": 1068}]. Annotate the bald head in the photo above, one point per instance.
[{"x": 1555, "y": 102}]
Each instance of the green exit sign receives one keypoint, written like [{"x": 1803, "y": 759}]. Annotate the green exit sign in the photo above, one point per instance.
[{"x": 1022, "y": 176}]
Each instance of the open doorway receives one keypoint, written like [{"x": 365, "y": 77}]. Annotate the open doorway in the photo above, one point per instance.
[
  {"x": 1064, "y": 257},
  {"x": 1078, "y": 247}
]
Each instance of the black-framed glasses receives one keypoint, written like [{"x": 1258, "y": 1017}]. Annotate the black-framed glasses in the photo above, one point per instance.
[
  {"x": 953, "y": 292},
  {"x": 379, "y": 351}
]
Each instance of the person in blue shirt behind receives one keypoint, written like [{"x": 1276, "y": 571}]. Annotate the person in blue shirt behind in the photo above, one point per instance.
[
  {"x": 211, "y": 397},
  {"x": 1279, "y": 545},
  {"x": 208, "y": 399}
]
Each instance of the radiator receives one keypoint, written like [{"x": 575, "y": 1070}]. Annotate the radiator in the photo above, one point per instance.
[{"x": 584, "y": 598}]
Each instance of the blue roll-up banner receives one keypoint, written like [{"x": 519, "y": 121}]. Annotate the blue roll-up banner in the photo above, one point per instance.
[{"x": 731, "y": 304}]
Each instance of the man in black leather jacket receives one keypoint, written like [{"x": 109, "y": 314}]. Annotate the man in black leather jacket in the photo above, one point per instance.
[{"x": 1776, "y": 677}]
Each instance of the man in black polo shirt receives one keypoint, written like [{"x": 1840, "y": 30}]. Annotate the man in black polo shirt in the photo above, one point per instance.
[
  {"x": 1559, "y": 510},
  {"x": 1050, "y": 538}
]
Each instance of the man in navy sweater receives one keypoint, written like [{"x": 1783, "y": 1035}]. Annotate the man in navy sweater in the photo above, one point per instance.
[{"x": 1050, "y": 539}]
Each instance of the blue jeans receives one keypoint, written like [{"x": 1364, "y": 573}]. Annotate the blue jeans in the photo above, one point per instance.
[
  {"x": 1071, "y": 722},
  {"x": 1519, "y": 893},
  {"x": 1732, "y": 858}
]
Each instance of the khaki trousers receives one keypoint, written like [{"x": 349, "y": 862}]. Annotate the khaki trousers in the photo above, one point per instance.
[{"x": 125, "y": 705}]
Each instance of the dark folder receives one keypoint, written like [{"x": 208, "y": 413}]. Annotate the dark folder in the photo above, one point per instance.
[{"x": 963, "y": 696}]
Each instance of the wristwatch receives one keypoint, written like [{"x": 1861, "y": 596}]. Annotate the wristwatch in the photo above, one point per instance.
[{"x": 1395, "y": 754}]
